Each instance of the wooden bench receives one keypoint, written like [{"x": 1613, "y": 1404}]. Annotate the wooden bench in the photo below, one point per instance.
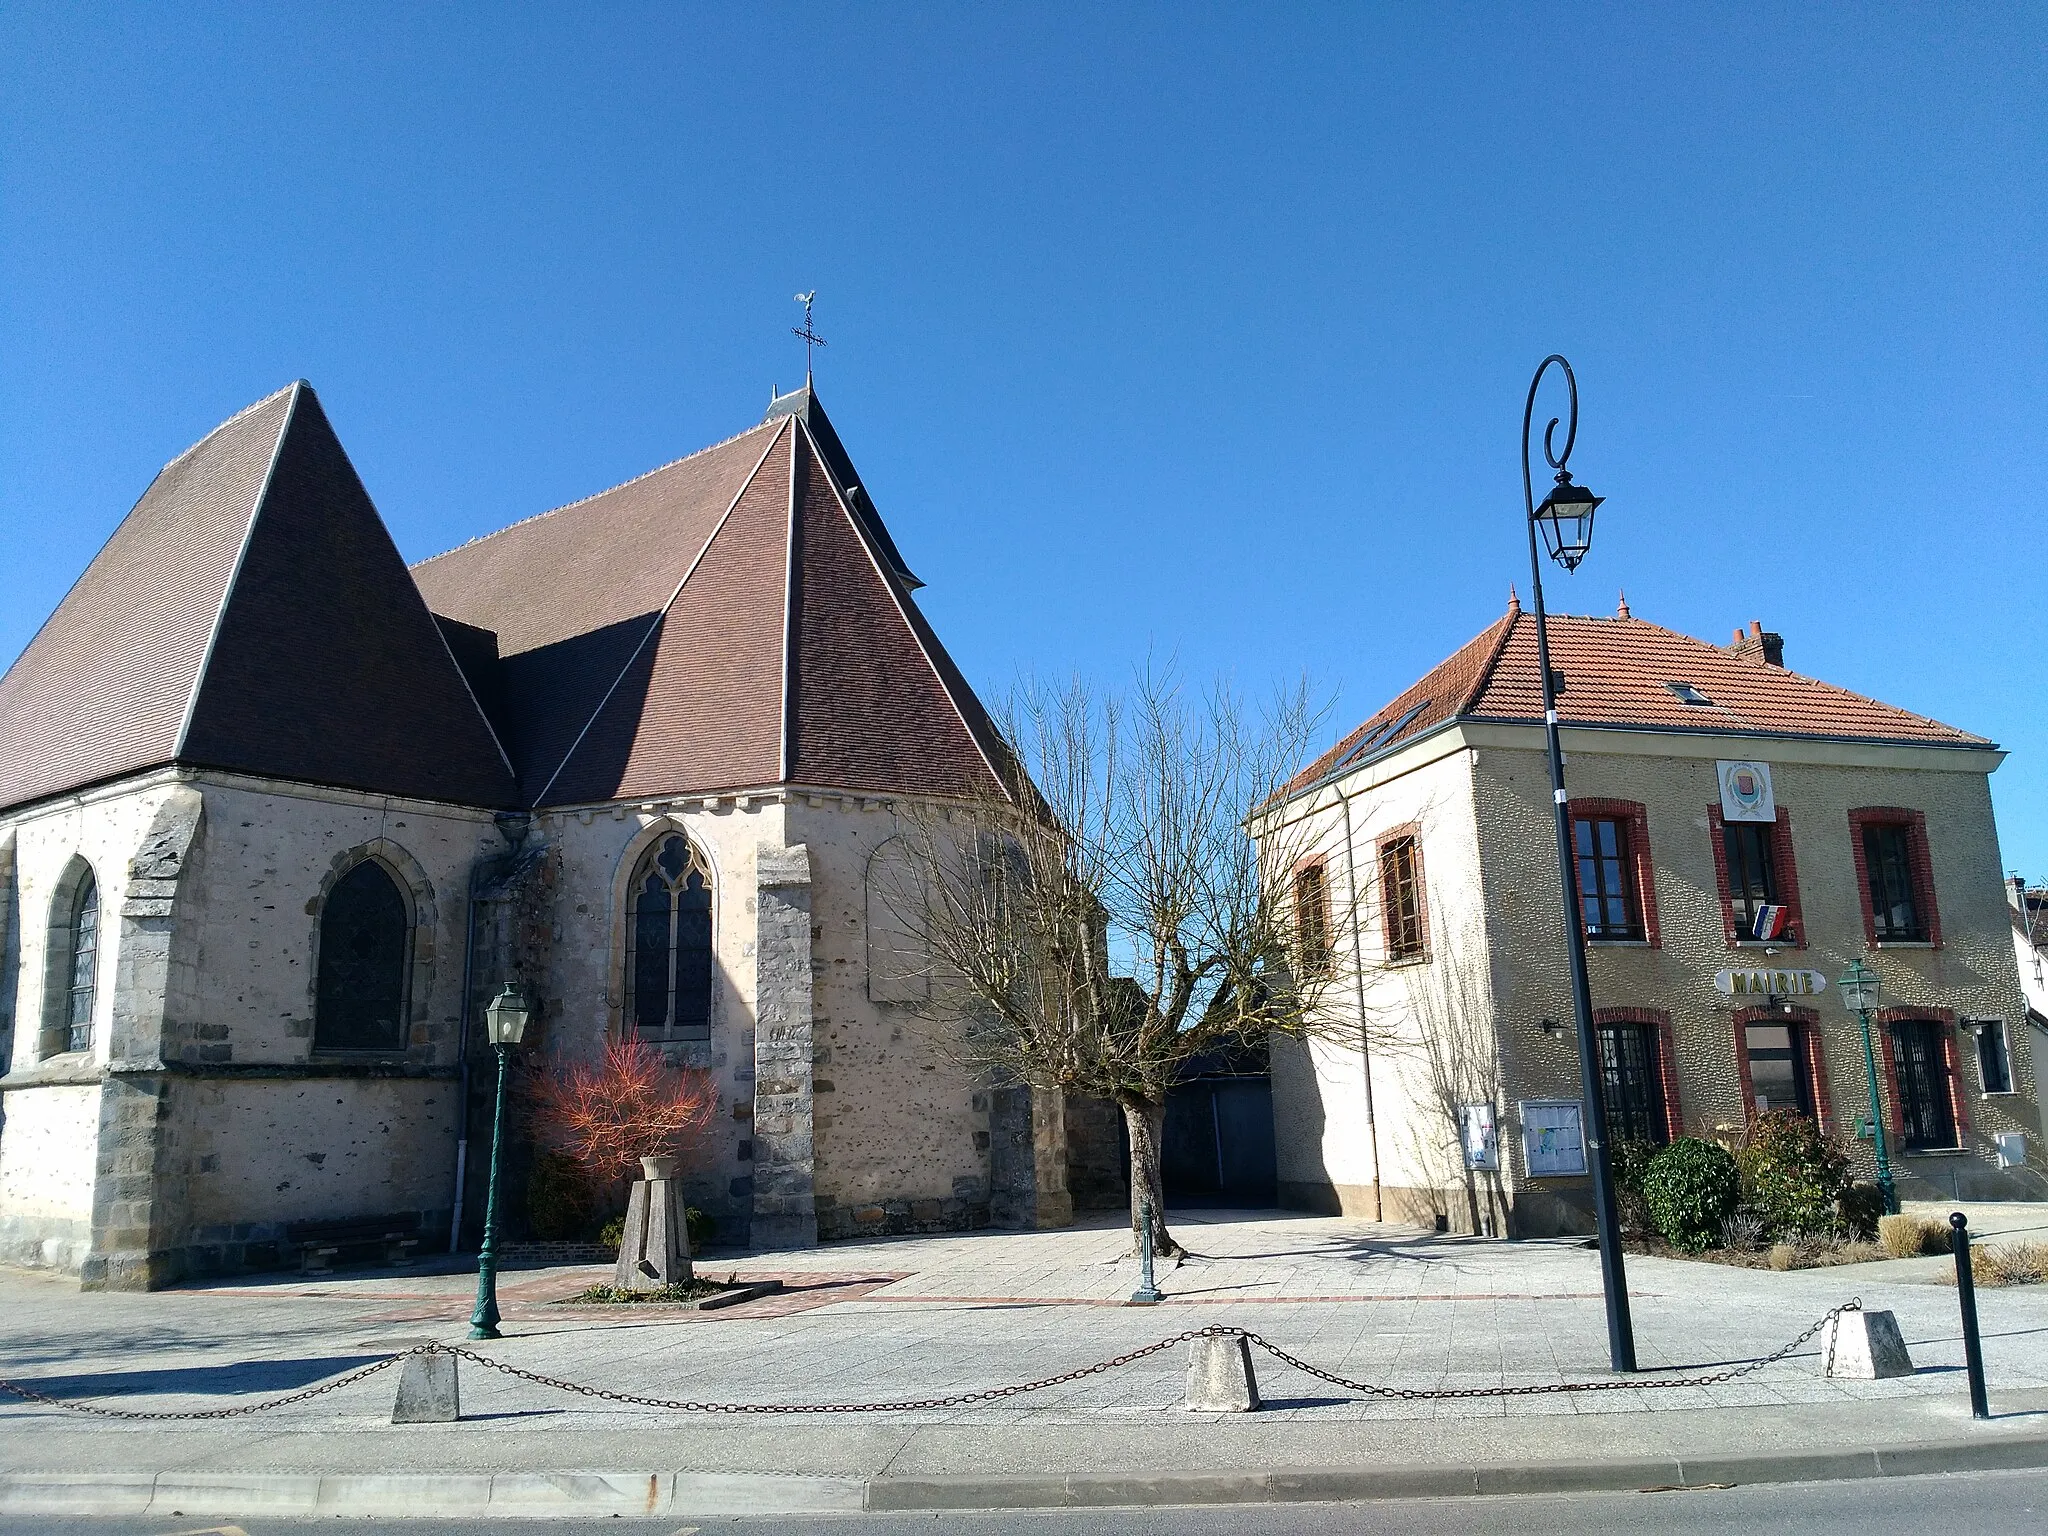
[{"x": 320, "y": 1242}]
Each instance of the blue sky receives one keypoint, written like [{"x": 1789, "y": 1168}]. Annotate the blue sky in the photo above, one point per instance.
[{"x": 1153, "y": 328}]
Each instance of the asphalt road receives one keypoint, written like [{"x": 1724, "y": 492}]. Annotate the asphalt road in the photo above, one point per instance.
[{"x": 1985, "y": 1504}]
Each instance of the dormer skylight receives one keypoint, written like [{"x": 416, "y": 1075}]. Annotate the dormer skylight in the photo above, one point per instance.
[{"x": 1687, "y": 694}]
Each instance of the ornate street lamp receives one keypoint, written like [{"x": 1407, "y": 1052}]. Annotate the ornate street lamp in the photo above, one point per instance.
[
  {"x": 1566, "y": 522},
  {"x": 1859, "y": 989},
  {"x": 506, "y": 1019}
]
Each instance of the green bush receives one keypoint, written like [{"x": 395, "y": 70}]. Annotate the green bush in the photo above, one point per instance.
[
  {"x": 700, "y": 1226},
  {"x": 1691, "y": 1187},
  {"x": 1792, "y": 1176},
  {"x": 559, "y": 1202},
  {"x": 1630, "y": 1160},
  {"x": 1858, "y": 1208}
]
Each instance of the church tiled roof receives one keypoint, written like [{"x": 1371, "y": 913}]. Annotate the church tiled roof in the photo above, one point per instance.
[
  {"x": 250, "y": 613},
  {"x": 1626, "y": 673},
  {"x": 737, "y": 619}
]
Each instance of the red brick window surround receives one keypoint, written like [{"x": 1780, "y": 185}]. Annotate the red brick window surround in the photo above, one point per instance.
[
  {"x": 1890, "y": 831},
  {"x": 1665, "y": 1067},
  {"x": 1806, "y": 1040},
  {"x": 1404, "y": 903},
  {"x": 1951, "y": 1061},
  {"x": 1784, "y": 880},
  {"x": 1610, "y": 838},
  {"x": 1312, "y": 915}
]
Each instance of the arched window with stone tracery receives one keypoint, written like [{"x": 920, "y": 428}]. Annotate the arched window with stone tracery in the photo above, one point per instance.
[
  {"x": 668, "y": 943},
  {"x": 71, "y": 993}
]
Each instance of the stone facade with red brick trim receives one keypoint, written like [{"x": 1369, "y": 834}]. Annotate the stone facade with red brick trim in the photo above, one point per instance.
[
  {"x": 1785, "y": 863},
  {"x": 1915, "y": 823},
  {"x": 1806, "y": 1030},
  {"x": 1642, "y": 875},
  {"x": 1477, "y": 784}
]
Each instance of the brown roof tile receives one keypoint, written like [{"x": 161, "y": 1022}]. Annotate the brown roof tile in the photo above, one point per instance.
[
  {"x": 249, "y": 613},
  {"x": 868, "y": 708},
  {"x": 103, "y": 687},
  {"x": 1617, "y": 673},
  {"x": 621, "y": 679}
]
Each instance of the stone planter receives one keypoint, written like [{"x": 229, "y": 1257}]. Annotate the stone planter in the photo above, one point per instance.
[{"x": 654, "y": 1250}]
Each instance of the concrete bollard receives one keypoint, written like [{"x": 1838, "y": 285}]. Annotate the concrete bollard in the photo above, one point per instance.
[
  {"x": 1864, "y": 1346},
  {"x": 427, "y": 1390},
  {"x": 1220, "y": 1376}
]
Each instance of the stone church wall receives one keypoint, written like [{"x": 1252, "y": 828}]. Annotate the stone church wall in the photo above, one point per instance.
[
  {"x": 585, "y": 1001},
  {"x": 215, "y": 1121},
  {"x": 902, "y": 1133}
]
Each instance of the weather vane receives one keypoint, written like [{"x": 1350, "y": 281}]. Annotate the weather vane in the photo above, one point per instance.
[{"x": 810, "y": 338}]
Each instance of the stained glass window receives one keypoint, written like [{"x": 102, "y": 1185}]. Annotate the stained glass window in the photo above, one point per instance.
[{"x": 668, "y": 943}]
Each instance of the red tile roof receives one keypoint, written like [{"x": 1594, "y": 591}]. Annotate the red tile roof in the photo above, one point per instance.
[
  {"x": 1617, "y": 673},
  {"x": 249, "y": 613}
]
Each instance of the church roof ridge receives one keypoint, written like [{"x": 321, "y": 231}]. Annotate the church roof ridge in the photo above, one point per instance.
[
  {"x": 570, "y": 506},
  {"x": 247, "y": 410}
]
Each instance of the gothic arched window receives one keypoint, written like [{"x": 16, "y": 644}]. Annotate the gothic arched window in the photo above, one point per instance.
[
  {"x": 668, "y": 943},
  {"x": 359, "y": 999},
  {"x": 74, "y": 963}
]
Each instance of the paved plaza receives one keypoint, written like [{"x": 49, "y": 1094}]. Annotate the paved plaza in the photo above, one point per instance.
[{"x": 929, "y": 1317}]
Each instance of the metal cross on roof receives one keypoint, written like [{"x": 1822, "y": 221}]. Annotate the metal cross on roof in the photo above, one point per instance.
[{"x": 804, "y": 333}]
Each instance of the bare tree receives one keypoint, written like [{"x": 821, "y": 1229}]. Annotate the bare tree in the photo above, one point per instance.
[{"x": 1110, "y": 918}]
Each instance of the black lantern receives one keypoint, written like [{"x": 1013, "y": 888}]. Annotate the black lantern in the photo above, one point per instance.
[{"x": 1566, "y": 518}]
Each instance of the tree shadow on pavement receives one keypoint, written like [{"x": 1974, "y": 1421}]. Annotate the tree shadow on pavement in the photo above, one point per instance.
[{"x": 201, "y": 1380}]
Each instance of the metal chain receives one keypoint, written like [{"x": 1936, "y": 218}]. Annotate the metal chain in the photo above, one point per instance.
[
  {"x": 1612, "y": 1384},
  {"x": 957, "y": 1399}
]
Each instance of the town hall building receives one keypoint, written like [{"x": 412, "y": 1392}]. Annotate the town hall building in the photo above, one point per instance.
[
  {"x": 1741, "y": 833},
  {"x": 278, "y": 815}
]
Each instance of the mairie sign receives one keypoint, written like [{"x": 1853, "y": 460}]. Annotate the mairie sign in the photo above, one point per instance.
[{"x": 1769, "y": 982}]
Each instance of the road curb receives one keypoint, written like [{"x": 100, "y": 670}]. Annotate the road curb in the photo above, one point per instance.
[{"x": 531, "y": 1495}]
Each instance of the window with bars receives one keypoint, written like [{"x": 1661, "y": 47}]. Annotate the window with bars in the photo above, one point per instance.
[
  {"x": 1608, "y": 900},
  {"x": 1312, "y": 917},
  {"x": 1401, "y": 897},
  {"x": 1920, "y": 1060},
  {"x": 668, "y": 943},
  {"x": 359, "y": 994},
  {"x": 1632, "y": 1084},
  {"x": 1888, "y": 866}
]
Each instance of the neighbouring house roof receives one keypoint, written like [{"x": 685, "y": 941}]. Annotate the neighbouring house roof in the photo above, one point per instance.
[
  {"x": 1626, "y": 673},
  {"x": 738, "y": 618},
  {"x": 250, "y": 613}
]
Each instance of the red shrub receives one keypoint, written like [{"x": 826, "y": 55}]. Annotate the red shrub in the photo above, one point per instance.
[{"x": 629, "y": 1106}]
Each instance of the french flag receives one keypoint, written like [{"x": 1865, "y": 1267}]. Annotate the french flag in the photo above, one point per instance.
[{"x": 1770, "y": 922}]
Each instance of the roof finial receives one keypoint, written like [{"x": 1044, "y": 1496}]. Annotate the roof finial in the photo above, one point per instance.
[
  {"x": 1514, "y": 599},
  {"x": 810, "y": 338},
  {"x": 1621, "y": 609}
]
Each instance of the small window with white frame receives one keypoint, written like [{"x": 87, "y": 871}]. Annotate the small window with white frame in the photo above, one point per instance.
[{"x": 1994, "y": 1060}]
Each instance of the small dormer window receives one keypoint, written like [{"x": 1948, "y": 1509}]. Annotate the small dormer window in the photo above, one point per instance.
[{"x": 1685, "y": 693}]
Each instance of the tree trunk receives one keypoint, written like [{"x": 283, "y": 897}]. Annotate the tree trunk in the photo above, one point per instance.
[{"x": 1146, "y": 1120}]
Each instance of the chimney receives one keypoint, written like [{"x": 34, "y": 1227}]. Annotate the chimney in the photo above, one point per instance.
[{"x": 1759, "y": 642}]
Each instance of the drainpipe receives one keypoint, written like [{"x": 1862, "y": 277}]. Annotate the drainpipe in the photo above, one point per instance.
[{"x": 1372, "y": 1120}]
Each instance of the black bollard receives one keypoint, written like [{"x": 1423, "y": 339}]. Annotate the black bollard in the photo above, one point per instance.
[{"x": 1966, "y": 1291}]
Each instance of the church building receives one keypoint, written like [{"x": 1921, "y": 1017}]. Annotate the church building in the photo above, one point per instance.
[{"x": 279, "y": 815}]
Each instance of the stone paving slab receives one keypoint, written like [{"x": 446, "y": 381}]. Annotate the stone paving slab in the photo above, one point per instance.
[{"x": 931, "y": 1317}]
